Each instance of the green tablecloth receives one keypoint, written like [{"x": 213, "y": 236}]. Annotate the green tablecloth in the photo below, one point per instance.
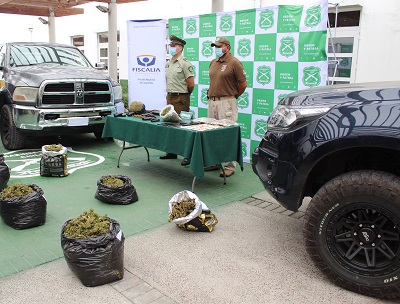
[{"x": 203, "y": 148}]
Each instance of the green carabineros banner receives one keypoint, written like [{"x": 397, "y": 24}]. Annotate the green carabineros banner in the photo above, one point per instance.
[{"x": 282, "y": 49}]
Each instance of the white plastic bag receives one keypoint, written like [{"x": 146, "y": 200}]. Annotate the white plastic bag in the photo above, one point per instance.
[{"x": 168, "y": 114}]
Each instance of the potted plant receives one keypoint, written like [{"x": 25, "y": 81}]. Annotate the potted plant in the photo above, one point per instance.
[
  {"x": 23, "y": 206},
  {"x": 116, "y": 189},
  {"x": 93, "y": 247},
  {"x": 54, "y": 160}
]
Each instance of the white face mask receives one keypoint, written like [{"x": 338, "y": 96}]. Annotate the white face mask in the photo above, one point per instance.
[{"x": 172, "y": 51}]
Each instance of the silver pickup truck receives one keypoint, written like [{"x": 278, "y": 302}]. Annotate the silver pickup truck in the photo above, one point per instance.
[{"x": 51, "y": 89}]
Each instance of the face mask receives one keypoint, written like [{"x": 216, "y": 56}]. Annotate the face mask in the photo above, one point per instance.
[
  {"x": 218, "y": 52},
  {"x": 172, "y": 51}
]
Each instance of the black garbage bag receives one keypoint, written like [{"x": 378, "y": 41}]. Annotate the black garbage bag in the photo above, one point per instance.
[
  {"x": 24, "y": 212},
  {"x": 123, "y": 195},
  {"x": 96, "y": 260},
  {"x": 4, "y": 172},
  {"x": 54, "y": 163}
]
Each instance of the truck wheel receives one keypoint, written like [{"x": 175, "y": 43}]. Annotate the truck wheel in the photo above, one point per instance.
[
  {"x": 11, "y": 137},
  {"x": 352, "y": 232}
]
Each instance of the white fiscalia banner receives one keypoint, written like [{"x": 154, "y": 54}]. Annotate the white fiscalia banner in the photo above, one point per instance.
[
  {"x": 282, "y": 48},
  {"x": 146, "y": 62}
]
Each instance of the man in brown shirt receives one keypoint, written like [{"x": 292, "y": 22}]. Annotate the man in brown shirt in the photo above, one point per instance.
[{"x": 227, "y": 83}]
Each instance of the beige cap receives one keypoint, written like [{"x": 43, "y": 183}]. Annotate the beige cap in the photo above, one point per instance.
[{"x": 220, "y": 41}]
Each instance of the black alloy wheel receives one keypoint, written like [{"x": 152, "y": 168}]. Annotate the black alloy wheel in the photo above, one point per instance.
[{"x": 352, "y": 232}]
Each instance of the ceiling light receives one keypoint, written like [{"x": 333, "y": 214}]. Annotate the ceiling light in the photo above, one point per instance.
[
  {"x": 103, "y": 9},
  {"x": 44, "y": 21}
]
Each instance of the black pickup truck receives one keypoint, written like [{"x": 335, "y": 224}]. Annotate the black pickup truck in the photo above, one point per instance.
[
  {"x": 340, "y": 145},
  {"x": 51, "y": 89}
]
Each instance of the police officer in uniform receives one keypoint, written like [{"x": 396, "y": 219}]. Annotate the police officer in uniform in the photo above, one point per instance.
[
  {"x": 180, "y": 82},
  {"x": 227, "y": 83}
]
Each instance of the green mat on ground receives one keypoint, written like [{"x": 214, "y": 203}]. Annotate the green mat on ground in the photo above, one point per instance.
[{"x": 67, "y": 197}]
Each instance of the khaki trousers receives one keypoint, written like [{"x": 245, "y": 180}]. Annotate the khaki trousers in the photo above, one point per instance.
[{"x": 224, "y": 108}]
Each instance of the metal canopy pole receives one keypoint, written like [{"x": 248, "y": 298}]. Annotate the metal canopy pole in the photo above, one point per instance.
[
  {"x": 52, "y": 26},
  {"x": 217, "y": 6},
  {"x": 112, "y": 40}
]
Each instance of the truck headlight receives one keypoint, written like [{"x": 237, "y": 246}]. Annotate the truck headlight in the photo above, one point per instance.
[
  {"x": 284, "y": 116},
  {"x": 117, "y": 93},
  {"x": 25, "y": 95}
]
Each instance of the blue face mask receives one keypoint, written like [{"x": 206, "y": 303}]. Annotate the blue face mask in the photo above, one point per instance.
[
  {"x": 172, "y": 51},
  {"x": 218, "y": 52}
]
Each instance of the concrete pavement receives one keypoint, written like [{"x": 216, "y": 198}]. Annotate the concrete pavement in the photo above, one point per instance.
[{"x": 255, "y": 255}]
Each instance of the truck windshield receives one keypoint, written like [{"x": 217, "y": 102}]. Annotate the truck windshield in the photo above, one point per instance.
[{"x": 23, "y": 55}]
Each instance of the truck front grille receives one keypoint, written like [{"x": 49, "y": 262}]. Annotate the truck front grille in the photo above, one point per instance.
[{"x": 75, "y": 93}]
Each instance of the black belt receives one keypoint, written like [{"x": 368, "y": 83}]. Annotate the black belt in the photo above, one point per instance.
[{"x": 176, "y": 94}]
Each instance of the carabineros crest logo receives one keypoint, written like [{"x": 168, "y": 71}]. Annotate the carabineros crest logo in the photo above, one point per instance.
[
  {"x": 244, "y": 47},
  {"x": 264, "y": 75},
  {"x": 244, "y": 149},
  {"x": 313, "y": 16},
  {"x": 226, "y": 23},
  {"x": 260, "y": 127},
  {"x": 204, "y": 98},
  {"x": 206, "y": 48},
  {"x": 287, "y": 48},
  {"x": 243, "y": 101},
  {"x": 266, "y": 19},
  {"x": 191, "y": 27},
  {"x": 311, "y": 76}
]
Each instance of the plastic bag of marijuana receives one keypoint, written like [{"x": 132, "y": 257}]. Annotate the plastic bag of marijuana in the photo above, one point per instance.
[
  {"x": 22, "y": 212},
  {"x": 168, "y": 114},
  {"x": 116, "y": 189},
  {"x": 54, "y": 161},
  {"x": 4, "y": 172},
  {"x": 189, "y": 213},
  {"x": 96, "y": 260}
]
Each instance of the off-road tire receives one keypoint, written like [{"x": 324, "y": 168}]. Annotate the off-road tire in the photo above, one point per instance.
[
  {"x": 352, "y": 232},
  {"x": 11, "y": 137}
]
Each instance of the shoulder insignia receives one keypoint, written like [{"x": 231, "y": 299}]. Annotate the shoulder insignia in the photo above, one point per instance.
[{"x": 191, "y": 69}]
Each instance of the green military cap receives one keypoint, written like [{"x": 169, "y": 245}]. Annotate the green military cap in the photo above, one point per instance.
[{"x": 175, "y": 40}]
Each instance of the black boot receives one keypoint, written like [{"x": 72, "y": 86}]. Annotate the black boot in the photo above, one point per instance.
[
  {"x": 185, "y": 162},
  {"x": 169, "y": 156}
]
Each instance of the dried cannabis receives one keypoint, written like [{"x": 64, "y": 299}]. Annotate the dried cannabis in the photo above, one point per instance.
[
  {"x": 88, "y": 224},
  {"x": 136, "y": 106},
  {"x": 181, "y": 209},
  {"x": 53, "y": 147},
  {"x": 16, "y": 190},
  {"x": 112, "y": 181},
  {"x": 165, "y": 111}
]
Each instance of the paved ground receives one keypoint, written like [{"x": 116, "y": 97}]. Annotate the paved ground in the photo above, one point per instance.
[{"x": 254, "y": 255}]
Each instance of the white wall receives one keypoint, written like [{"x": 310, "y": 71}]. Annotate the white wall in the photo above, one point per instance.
[{"x": 379, "y": 43}]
